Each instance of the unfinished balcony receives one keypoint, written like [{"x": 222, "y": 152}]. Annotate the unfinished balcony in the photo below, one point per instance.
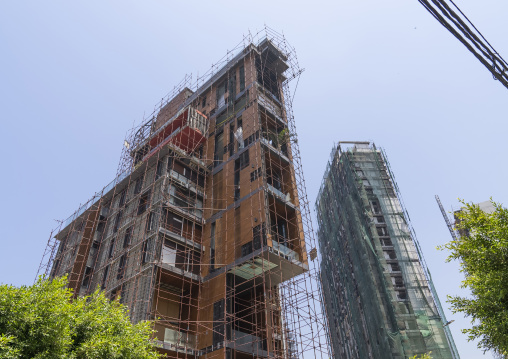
[
  {"x": 186, "y": 130},
  {"x": 177, "y": 341},
  {"x": 284, "y": 239},
  {"x": 275, "y": 137},
  {"x": 175, "y": 312},
  {"x": 186, "y": 201},
  {"x": 279, "y": 183},
  {"x": 180, "y": 229},
  {"x": 181, "y": 260}
]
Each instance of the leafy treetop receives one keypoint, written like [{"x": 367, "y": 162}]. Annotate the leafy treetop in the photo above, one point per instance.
[
  {"x": 44, "y": 321},
  {"x": 482, "y": 249}
]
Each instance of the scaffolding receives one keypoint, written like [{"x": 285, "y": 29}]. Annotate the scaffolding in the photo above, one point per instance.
[
  {"x": 378, "y": 291},
  {"x": 206, "y": 229}
]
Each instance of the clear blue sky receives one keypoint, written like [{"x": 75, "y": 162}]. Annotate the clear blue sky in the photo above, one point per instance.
[{"x": 74, "y": 76}]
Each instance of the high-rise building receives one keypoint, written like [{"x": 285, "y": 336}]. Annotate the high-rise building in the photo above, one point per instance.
[
  {"x": 202, "y": 231},
  {"x": 378, "y": 293}
]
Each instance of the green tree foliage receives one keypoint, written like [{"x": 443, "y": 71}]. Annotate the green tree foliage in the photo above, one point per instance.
[
  {"x": 482, "y": 250},
  {"x": 44, "y": 321},
  {"x": 423, "y": 356}
]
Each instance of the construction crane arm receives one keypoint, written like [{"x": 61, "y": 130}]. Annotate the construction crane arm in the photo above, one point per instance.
[{"x": 447, "y": 220}]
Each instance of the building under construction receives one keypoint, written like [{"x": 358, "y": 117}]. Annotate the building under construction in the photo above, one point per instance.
[
  {"x": 206, "y": 228},
  {"x": 379, "y": 296}
]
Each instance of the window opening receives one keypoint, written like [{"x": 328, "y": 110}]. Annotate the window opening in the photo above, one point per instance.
[
  {"x": 121, "y": 267},
  {"x": 242, "y": 78},
  {"x": 138, "y": 185},
  {"x": 105, "y": 277},
  {"x": 219, "y": 148},
  {"x": 212, "y": 247},
  {"x": 127, "y": 237},
  {"x": 144, "y": 202},
  {"x": 118, "y": 218}
]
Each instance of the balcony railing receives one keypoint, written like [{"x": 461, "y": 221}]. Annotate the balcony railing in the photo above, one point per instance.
[
  {"x": 280, "y": 194},
  {"x": 186, "y": 261},
  {"x": 178, "y": 341},
  {"x": 247, "y": 343},
  {"x": 185, "y": 205},
  {"x": 186, "y": 130},
  {"x": 185, "y": 182},
  {"x": 285, "y": 251},
  {"x": 178, "y": 231}
]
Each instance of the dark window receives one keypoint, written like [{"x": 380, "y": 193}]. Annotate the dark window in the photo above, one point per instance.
[
  {"x": 122, "y": 198},
  {"x": 395, "y": 267},
  {"x": 242, "y": 78},
  {"x": 123, "y": 294},
  {"x": 219, "y": 148},
  {"x": 201, "y": 180},
  {"x": 244, "y": 159},
  {"x": 254, "y": 175},
  {"x": 203, "y": 102},
  {"x": 127, "y": 237},
  {"x": 274, "y": 179},
  {"x": 221, "y": 91},
  {"x": 381, "y": 231},
  {"x": 402, "y": 294},
  {"x": 239, "y": 122},
  {"x": 118, "y": 219},
  {"x": 258, "y": 236},
  {"x": 212, "y": 247},
  {"x": 246, "y": 249},
  {"x": 282, "y": 231},
  {"x": 105, "y": 277},
  {"x": 193, "y": 260},
  {"x": 375, "y": 207},
  {"x": 138, "y": 185},
  {"x": 150, "y": 226},
  {"x": 121, "y": 267},
  {"x": 232, "y": 89},
  {"x": 158, "y": 173},
  {"x": 172, "y": 222},
  {"x": 218, "y": 322},
  {"x": 170, "y": 162},
  {"x": 231, "y": 139},
  {"x": 144, "y": 202},
  {"x": 218, "y": 310},
  {"x": 387, "y": 242},
  {"x": 236, "y": 194},
  {"x": 143, "y": 252},
  {"x": 87, "y": 276},
  {"x": 179, "y": 168},
  {"x": 251, "y": 138},
  {"x": 111, "y": 248},
  {"x": 100, "y": 226}
]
